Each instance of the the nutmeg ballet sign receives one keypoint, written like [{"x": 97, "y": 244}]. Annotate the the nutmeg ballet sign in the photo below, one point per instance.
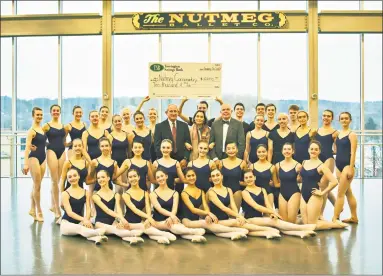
[{"x": 209, "y": 20}]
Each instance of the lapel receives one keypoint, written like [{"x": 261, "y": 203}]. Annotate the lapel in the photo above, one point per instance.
[{"x": 168, "y": 131}]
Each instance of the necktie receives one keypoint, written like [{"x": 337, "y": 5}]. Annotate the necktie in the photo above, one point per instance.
[
  {"x": 225, "y": 122},
  {"x": 174, "y": 134}
]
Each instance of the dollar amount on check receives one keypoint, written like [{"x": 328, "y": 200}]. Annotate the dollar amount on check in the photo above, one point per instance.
[{"x": 193, "y": 80}]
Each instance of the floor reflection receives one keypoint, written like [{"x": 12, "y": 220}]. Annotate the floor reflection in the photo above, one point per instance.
[{"x": 37, "y": 248}]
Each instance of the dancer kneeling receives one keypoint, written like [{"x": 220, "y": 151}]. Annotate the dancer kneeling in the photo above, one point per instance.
[
  {"x": 74, "y": 222},
  {"x": 255, "y": 205},
  {"x": 113, "y": 222},
  {"x": 194, "y": 206},
  {"x": 221, "y": 203},
  {"x": 312, "y": 197},
  {"x": 138, "y": 209},
  {"x": 165, "y": 210}
]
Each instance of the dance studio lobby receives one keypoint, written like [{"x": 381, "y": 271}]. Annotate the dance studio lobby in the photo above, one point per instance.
[{"x": 191, "y": 137}]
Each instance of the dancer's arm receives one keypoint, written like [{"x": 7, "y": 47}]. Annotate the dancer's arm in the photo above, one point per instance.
[
  {"x": 66, "y": 167},
  {"x": 97, "y": 200},
  {"x": 31, "y": 134},
  {"x": 124, "y": 166},
  {"x": 214, "y": 198},
  {"x": 181, "y": 177},
  {"x": 150, "y": 174},
  {"x": 274, "y": 177},
  {"x": 84, "y": 139},
  {"x": 269, "y": 150},
  {"x": 247, "y": 148},
  {"x": 144, "y": 100},
  {"x": 205, "y": 206},
  {"x": 157, "y": 205},
  {"x": 249, "y": 200},
  {"x": 323, "y": 169},
  {"x": 68, "y": 208},
  {"x": 131, "y": 206},
  {"x": 354, "y": 144},
  {"x": 185, "y": 118}
]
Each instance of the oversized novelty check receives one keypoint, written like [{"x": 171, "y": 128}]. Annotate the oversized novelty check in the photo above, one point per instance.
[{"x": 193, "y": 80}]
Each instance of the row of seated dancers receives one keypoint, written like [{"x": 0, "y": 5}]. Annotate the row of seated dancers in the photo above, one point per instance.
[{"x": 90, "y": 156}]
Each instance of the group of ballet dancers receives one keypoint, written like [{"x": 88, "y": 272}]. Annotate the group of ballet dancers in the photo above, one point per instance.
[{"x": 280, "y": 185}]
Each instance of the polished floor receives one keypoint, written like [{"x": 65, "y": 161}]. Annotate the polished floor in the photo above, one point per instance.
[{"x": 37, "y": 248}]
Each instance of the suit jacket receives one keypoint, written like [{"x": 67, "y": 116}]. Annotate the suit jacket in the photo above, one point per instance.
[
  {"x": 163, "y": 131},
  {"x": 234, "y": 133}
]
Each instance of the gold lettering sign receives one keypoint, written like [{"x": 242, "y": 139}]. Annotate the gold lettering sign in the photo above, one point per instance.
[{"x": 209, "y": 20}]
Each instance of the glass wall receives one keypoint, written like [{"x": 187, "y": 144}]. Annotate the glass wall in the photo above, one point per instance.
[
  {"x": 81, "y": 75},
  {"x": 339, "y": 76},
  {"x": 36, "y": 7},
  {"x": 6, "y": 83}
]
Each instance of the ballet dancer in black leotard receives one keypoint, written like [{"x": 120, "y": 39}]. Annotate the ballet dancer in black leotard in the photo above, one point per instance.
[
  {"x": 75, "y": 128},
  {"x": 56, "y": 134},
  {"x": 153, "y": 116},
  {"x": 259, "y": 211},
  {"x": 279, "y": 137},
  {"x": 346, "y": 145},
  {"x": 265, "y": 172},
  {"x": 270, "y": 125},
  {"x": 222, "y": 205},
  {"x": 302, "y": 136},
  {"x": 202, "y": 167},
  {"x": 77, "y": 162},
  {"x": 196, "y": 214},
  {"x": 105, "y": 162},
  {"x": 120, "y": 147},
  {"x": 143, "y": 167},
  {"x": 112, "y": 221},
  {"x": 139, "y": 211},
  {"x": 35, "y": 161},
  {"x": 172, "y": 167},
  {"x": 326, "y": 135},
  {"x": 74, "y": 221},
  {"x": 143, "y": 134},
  {"x": 290, "y": 196},
  {"x": 256, "y": 137},
  {"x": 312, "y": 197},
  {"x": 104, "y": 122},
  {"x": 165, "y": 206},
  {"x": 232, "y": 168},
  {"x": 90, "y": 139}
]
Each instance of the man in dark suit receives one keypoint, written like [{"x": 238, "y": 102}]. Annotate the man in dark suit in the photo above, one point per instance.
[
  {"x": 226, "y": 129},
  {"x": 177, "y": 132}
]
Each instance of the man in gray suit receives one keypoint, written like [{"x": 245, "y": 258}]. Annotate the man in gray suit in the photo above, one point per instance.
[{"x": 226, "y": 129}]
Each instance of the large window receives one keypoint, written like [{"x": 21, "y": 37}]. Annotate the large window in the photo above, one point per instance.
[
  {"x": 238, "y": 55},
  {"x": 81, "y": 75},
  {"x": 284, "y": 70},
  {"x": 37, "y": 77},
  {"x": 185, "y": 5},
  {"x": 283, "y": 5},
  {"x": 135, "y": 6},
  {"x": 338, "y": 5},
  {"x": 6, "y": 83},
  {"x": 339, "y": 76},
  {"x": 6, "y": 8},
  {"x": 82, "y": 6},
  {"x": 373, "y": 5},
  {"x": 132, "y": 55},
  {"x": 234, "y": 5},
  {"x": 373, "y": 104},
  {"x": 37, "y": 7}
]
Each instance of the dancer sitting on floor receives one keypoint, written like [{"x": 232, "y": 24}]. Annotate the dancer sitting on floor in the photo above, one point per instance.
[
  {"x": 74, "y": 222},
  {"x": 194, "y": 206}
]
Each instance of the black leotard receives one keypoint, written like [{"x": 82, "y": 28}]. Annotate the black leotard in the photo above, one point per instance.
[
  {"x": 263, "y": 178},
  {"x": 254, "y": 142},
  {"x": 167, "y": 205},
  {"x": 56, "y": 140},
  {"x": 77, "y": 206},
  {"x": 289, "y": 184},
  {"x": 343, "y": 152},
  {"x": 301, "y": 147},
  {"x": 143, "y": 172},
  {"x": 119, "y": 150},
  {"x": 172, "y": 174},
  {"x": 39, "y": 142},
  {"x": 93, "y": 146},
  {"x": 103, "y": 217},
  {"x": 232, "y": 177},
  {"x": 221, "y": 215},
  {"x": 278, "y": 143},
  {"x": 132, "y": 217},
  {"x": 310, "y": 180},
  {"x": 264, "y": 127},
  {"x": 197, "y": 202},
  {"x": 327, "y": 142},
  {"x": 75, "y": 133},
  {"x": 203, "y": 174},
  {"x": 249, "y": 211}
]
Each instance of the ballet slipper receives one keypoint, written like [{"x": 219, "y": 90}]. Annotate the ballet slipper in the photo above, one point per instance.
[
  {"x": 59, "y": 220},
  {"x": 351, "y": 220},
  {"x": 199, "y": 231},
  {"x": 273, "y": 236},
  {"x": 170, "y": 236},
  {"x": 52, "y": 209},
  {"x": 32, "y": 214},
  {"x": 101, "y": 231},
  {"x": 238, "y": 236},
  {"x": 40, "y": 217},
  {"x": 197, "y": 239},
  {"x": 104, "y": 238},
  {"x": 163, "y": 240}
]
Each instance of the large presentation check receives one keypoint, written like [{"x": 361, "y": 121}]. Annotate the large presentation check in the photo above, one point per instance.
[{"x": 193, "y": 80}]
